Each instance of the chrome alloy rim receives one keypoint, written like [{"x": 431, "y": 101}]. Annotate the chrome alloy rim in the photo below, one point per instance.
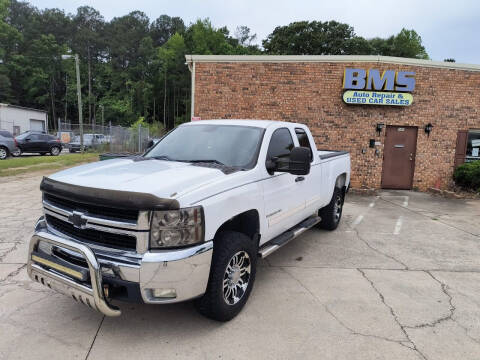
[
  {"x": 55, "y": 151},
  {"x": 236, "y": 278},
  {"x": 337, "y": 208},
  {"x": 3, "y": 153}
]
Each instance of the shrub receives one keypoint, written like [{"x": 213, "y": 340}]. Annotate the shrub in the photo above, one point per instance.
[{"x": 468, "y": 175}]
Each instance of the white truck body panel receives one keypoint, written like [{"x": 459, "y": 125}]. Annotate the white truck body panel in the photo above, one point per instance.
[
  {"x": 283, "y": 204},
  {"x": 280, "y": 201}
]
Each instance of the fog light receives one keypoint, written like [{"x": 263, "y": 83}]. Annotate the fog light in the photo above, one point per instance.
[{"x": 164, "y": 293}]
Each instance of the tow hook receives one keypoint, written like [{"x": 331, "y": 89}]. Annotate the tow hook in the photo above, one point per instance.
[{"x": 106, "y": 291}]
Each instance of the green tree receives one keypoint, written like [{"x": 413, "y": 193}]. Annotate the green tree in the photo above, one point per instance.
[
  {"x": 407, "y": 43},
  {"x": 9, "y": 39},
  {"x": 313, "y": 38},
  {"x": 164, "y": 27},
  {"x": 41, "y": 84},
  {"x": 88, "y": 41}
]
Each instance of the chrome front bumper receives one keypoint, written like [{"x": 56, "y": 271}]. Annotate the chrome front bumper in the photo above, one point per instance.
[{"x": 184, "y": 270}]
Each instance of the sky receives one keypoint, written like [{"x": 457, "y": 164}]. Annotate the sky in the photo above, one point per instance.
[{"x": 449, "y": 29}]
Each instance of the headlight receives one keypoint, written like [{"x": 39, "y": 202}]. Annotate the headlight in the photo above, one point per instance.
[{"x": 175, "y": 228}]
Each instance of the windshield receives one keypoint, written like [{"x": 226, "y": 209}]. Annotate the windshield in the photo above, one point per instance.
[{"x": 230, "y": 145}]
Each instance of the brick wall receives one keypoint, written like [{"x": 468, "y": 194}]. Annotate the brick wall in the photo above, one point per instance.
[{"x": 311, "y": 93}]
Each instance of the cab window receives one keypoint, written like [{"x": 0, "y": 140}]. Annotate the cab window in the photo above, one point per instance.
[
  {"x": 281, "y": 144},
  {"x": 303, "y": 140}
]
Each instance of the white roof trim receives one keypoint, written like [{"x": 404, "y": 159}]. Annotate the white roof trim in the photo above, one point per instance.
[
  {"x": 22, "y": 108},
  {"x": 329, "y": 58}
]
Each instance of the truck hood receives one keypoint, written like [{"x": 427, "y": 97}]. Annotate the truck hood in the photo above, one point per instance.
[{"x": 164, "y": 179}]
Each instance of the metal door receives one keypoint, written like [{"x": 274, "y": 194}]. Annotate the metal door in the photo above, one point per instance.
[{"x": 399, "y": 157}]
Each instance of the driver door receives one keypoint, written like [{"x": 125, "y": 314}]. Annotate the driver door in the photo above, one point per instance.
[
  {"x": 283, "y": 201},
  {"x": 30, "y": 143}
]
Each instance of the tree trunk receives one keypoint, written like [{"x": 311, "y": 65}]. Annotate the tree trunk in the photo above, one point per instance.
[{"x": 165, "y": 100}]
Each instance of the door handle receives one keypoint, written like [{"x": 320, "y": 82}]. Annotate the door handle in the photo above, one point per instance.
[{"x": 299, "y": 178}]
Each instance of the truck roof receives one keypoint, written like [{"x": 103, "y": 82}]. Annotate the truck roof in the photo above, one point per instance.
[{"x": 238, "y": 122}]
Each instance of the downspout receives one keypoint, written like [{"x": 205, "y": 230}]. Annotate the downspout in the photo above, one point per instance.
[{"x": 191, "y": 66}]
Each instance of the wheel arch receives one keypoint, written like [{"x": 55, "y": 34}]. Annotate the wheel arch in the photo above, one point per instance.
[
  {"x": 341, "y": 181},
  {"x": 247, "y": 222}
]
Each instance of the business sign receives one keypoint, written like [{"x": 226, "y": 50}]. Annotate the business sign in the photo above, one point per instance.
[
  {"x": 377, "y": 98},
  {"x": 372, "y": 88}
]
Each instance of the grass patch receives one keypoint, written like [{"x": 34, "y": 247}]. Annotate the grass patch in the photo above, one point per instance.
[{"x": 15, "y": 166}]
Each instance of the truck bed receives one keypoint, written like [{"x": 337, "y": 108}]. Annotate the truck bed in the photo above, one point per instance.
[{"x": 327, "y": 154}]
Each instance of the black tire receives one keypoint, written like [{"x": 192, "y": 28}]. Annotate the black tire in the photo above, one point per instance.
[
  {"x": 4, "y": 153},
  {"x": 55, "y": 150},
  {"x": 213, "y": 303},
  {"x": 17, "y": 153},
  {"x": 332, "y": 213},
  {"x": 71, "y": 150}
]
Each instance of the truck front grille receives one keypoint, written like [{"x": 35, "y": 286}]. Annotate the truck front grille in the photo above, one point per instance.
[
  {"x": 92, "y": 236},
  {"x": 108, "y": 212}
]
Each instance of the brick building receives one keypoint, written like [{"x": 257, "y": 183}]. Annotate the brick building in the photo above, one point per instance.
[{"x": 390, "y": 145}]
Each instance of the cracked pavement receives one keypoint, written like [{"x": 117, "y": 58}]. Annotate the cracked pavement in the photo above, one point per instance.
[{"x": 399, "y": 279}]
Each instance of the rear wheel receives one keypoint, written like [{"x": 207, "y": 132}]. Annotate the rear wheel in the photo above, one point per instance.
[
  {"x": 3, "y": 153},
  {"x": 332, "y": 213},
  {"x": 17, "y": 152},
  {"x": 55, "y": 151},
  {"x": 232, "y": 275}
]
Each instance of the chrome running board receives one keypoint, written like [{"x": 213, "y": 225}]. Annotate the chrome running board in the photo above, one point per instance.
[{"x": 282, "y": 239}]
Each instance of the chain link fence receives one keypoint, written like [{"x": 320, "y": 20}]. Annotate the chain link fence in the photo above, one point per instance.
[{"x": 115, "y": 139}]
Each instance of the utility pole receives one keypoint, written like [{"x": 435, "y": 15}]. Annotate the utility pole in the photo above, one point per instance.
[
  {"x": 89, "y": 87},
  {"x": 79, "y": 96},
  {"x": 66, "y": 93}
]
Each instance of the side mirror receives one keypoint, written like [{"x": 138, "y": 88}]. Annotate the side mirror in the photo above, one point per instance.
[
  {"x": 299, "y": 163},
  {"x": 150, "y": 144}
]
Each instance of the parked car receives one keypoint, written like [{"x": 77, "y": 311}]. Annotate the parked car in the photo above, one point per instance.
[
  {"x": 89, "y": 141},
  {"x": 188, "y": 219},
  {"x": 8, "y": 146},
  {"x": 38, "y": 142}
]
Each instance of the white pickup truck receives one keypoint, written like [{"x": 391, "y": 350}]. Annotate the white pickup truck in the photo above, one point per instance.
[{"x": 188, "y": 219}]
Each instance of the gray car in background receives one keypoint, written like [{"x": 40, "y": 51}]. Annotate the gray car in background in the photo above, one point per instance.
[{"x": 8, "y": 146}]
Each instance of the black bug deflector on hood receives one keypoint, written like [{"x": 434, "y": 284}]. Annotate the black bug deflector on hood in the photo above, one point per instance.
[{"x": 105, "y": 197}]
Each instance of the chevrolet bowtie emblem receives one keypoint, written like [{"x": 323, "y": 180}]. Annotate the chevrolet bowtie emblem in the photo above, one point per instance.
[{"x": 78, "y": 220}]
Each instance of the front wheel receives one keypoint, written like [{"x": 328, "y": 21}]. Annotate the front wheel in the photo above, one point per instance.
[
  {"x": 332, "y": 213},
  {"x": 55, "y": 151},
  {"x": 232, "y": 275}
]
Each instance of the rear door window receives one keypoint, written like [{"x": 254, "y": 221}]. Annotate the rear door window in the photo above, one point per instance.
[{"x": 303, "y": 140}]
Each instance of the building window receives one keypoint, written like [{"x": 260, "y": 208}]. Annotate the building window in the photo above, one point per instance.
[{"x": 473, "y": 145}]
